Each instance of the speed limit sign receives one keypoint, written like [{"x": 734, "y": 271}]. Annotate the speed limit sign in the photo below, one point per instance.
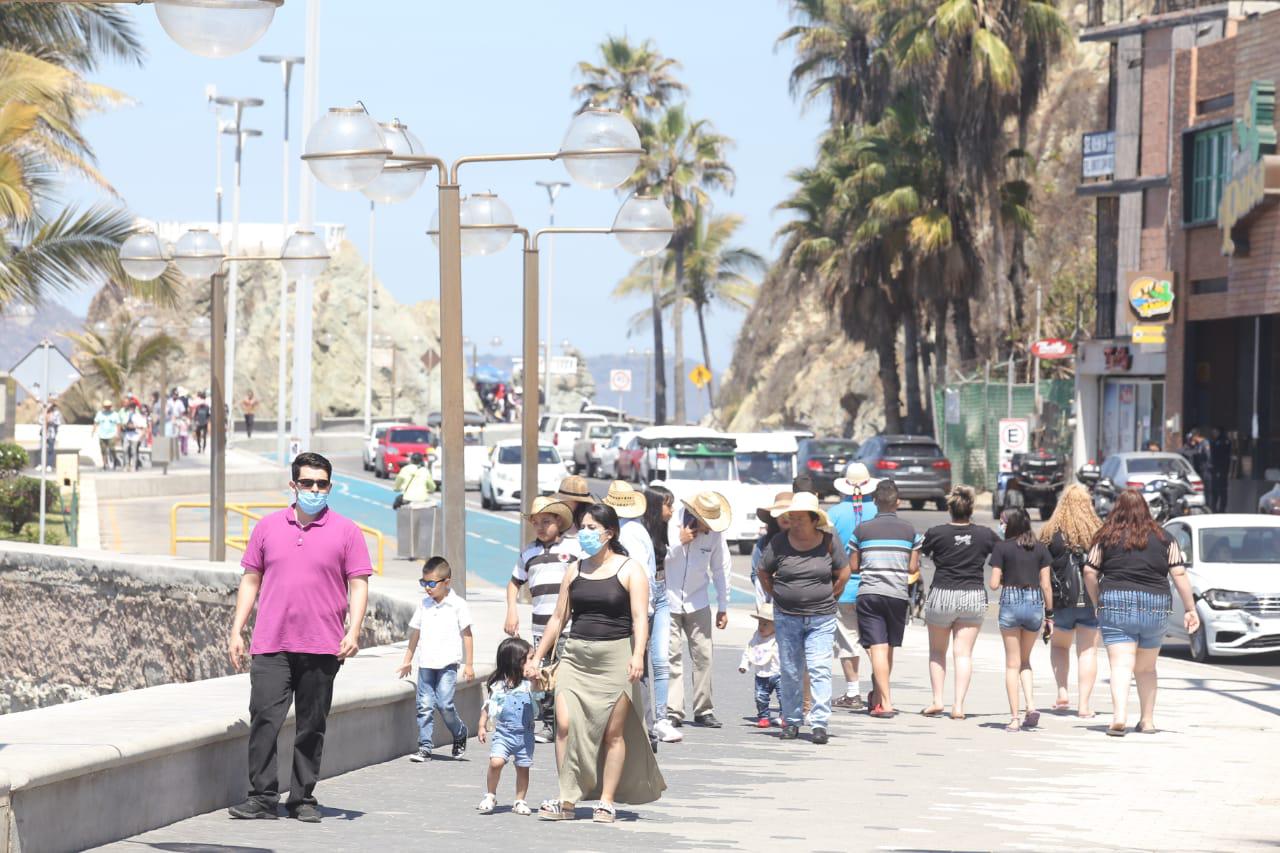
[{"x": 620, "y": 381}]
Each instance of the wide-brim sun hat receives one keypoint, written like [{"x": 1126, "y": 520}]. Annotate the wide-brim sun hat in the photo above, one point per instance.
[
  {"x": 712, "y": 509},
  {"x": 625, "y": 500},
  {"x": 857, "y": 480},
  {"x": 763, "y": 612},
  {"x": 574, "y": 489},
  {"x": 547, "y": 504},
  {"x": 808, "y": 502},
  {"x": 780, "y": 502}
]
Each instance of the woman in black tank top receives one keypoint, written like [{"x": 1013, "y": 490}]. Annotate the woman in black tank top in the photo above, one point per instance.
[{"x": 598, "y": 700}]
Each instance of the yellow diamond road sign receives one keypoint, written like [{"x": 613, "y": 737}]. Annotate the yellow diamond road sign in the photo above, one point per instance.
[
  {"x": 1148, "y": 334},
  {"x": 700, "y": 376}
]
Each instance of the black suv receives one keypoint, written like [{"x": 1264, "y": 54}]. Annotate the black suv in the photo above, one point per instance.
[
  {"x": 824, "y": 459},
  {"x": 914, "y": 462}
]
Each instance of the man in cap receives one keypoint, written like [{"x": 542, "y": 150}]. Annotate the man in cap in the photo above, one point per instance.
[
  {"x": 106, "y": 425},
  {"x": 697, "y": 557},
  {"x": 858, "y": 505},
  {"x": 542, "y": 565}
]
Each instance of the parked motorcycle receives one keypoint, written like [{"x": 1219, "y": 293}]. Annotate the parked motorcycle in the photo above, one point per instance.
[
  {"x": 1036, "y": 479},
  {"x": 1170, "y": 498},
  {"x": 1103, "y": 490}
]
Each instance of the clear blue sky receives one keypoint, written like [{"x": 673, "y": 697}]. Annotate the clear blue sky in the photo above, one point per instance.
[{"x": 467, "y": 78}]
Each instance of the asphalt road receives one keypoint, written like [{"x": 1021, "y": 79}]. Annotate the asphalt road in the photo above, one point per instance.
[{"x": 349, "y": 465}]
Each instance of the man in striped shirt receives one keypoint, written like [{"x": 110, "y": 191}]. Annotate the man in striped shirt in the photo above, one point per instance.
[
  {"x": 542, "y": 565},
  {"x": 885, "y": 550}
]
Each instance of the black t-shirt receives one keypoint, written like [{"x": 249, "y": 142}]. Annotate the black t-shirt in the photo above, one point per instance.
[
  {"x": 958, "y": 551},
  {"x": 1145, "y": 570},
  {"x": 803, "y": 581},
  {"x": 1019, "y": 566}
]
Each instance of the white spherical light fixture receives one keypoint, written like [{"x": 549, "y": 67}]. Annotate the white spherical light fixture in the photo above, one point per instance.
[
  {"x": 487, "y": 224},
  {"x": 601, "y": 149},
  {"x": 643, "y": 226},
  {"x": 216, "y": 28},
  {"x": 304, "y": 255},
  {"x": 142, "y": 256},
  {"x": 345, "y": 149},
  {"x": 198, "y": 254},
  {"x": 396, "y": 183}
]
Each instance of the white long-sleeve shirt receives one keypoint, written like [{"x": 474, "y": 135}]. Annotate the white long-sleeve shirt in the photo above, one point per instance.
[{"x": 692, "y": 568}]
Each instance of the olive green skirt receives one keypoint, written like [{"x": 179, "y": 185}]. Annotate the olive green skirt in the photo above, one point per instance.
[{"x": 591, "y": 678}]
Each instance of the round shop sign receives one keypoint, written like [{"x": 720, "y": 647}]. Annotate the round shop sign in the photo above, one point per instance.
[{"x": 1151, "y": 297}]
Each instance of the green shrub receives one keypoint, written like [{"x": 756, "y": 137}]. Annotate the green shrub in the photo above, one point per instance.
[
  {"x": 53, "y": 533},
  {"x": 20, "y": 500},
  {"x": 13, "y": 458}
]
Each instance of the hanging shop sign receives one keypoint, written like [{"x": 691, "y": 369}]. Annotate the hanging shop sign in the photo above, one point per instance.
[
  {"x": 1052, "y": 348},
  {"x": 1255, "y": 167},
  {"x": 1098, "y": 152},
  {"x": 1148, "y": 333},
  {"x": 1151, "y": 295}
]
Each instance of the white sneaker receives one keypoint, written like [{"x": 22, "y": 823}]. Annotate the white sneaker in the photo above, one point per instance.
[
  {"x": 487, "y": 804},
  {"x": 666, "y": 732}
]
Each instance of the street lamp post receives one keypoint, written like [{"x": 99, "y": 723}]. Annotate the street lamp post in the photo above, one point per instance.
[
  {"x": 553, "y": 190},
  {"x": 241, "y": 133},
  {"x": 286, "y": 64},
  {"x": 346, "y": 151},
  {"x": 198, "y": 254}
]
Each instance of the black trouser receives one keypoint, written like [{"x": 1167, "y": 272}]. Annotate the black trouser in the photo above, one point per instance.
[
  {"x": 248, "y": 425},
  {"x": 276, "y": 680},
  {"x": 1218, "y": 495},
  {"x": 202, "y": 437}
]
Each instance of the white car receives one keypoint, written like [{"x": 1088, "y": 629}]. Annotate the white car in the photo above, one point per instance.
[
  {"x": 588, "y": 449},
  {"x": 500, "y": 476},
  {"x": 474, "y": 457},
  {"x": 608, "y": 466},
  {"x": 766, "y": 465},
  {"x": 561, "y": 431},
  {"x": 369, "y": 447},
  {"x": 1233, "y": 562},
  {"x": 1134, "y": 470}
]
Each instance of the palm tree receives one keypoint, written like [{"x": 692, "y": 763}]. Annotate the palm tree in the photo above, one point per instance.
[
  {"x": 683, "y": 159},
  {"x": 634, "y": 79},
  {"x": 119, "y": 356},
  {"x": 638, "y": 81},
  {"x": 836, "y": 59},
  {"x": 715, "y": 273}
]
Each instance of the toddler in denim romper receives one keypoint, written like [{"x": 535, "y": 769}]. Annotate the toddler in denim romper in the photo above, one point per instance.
[{"x": 506, "y": 721}]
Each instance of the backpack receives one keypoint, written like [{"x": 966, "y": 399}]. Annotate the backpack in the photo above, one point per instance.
[{"x": 1067, "y": 583}]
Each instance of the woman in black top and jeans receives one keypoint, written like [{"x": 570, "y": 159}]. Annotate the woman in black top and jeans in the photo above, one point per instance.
[
  {"x": 1135, "y": 559},
  {"x": 1020, "y": 570},
  {"x": 598, "y": 702},
  {"x": 957, "y": 602}
]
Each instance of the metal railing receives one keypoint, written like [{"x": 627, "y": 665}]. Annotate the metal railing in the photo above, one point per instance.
[{"x": 247, "y": 518}]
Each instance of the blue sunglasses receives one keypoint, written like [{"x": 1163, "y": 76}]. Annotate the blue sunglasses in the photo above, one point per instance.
[{"x": 426, "y": 584}]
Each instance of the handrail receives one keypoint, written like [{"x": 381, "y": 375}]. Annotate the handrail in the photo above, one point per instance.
[{"x": 247, "y": 515}]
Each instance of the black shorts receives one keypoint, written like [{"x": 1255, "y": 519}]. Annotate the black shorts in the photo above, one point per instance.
[{"x": 881, "y": 620}]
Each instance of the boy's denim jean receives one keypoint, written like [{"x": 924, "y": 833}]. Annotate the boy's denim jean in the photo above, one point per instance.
[
  {"x": 435, "y": 693},
  {"x": 805, "y": 642},
  {"x": 660, "y": 654},
  {"x": 766, "y": 686}
]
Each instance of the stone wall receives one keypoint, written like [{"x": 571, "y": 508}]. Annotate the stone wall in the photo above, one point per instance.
[{"x": 75, "y": 624}]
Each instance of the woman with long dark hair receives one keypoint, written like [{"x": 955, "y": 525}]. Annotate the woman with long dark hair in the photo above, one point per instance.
[
  {"x": 602, "y": 748},
  {"x": 659, "y": 506},
  {"x": 1020, "y": 570},
  {"x": 1127, "y": 572}
]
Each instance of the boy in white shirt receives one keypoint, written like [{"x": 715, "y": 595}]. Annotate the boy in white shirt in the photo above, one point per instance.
[
  {"x": 760, "y": 658},
  {"x": 439, "y": 641}
]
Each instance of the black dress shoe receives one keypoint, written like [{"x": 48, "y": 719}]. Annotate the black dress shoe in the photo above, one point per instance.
[
  {"x": 305, "y": 813},
  {"x": 790, "y": 732},
  {"x": 820, "y": 735},
  {"x": 707, "y": 721},
  {"x": 252, "y": 810}
]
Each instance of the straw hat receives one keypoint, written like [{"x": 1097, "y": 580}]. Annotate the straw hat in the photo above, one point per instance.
[
  {"x": 780, "y": 502},
  {"x": 544, "y": 503},
  {"x": 764, "y": 611},
  {"x": 807, "y": 502},
  {"x": 857, "y": 480},
  {"x": 625, "y": 500},
  {"x": 712, "y": 508},
  {"x": 575, "y": 490}
]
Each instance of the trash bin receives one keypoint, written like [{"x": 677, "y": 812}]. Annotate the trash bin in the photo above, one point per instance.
[
  {"x": 164, "y": 450},
  {"x": 418, "y": 536}
]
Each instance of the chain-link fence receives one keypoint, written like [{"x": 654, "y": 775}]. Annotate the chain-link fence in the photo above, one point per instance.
[{"x": 969, "y": 414}]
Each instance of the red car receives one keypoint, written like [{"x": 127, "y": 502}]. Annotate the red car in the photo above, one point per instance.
[
  {"x": 628, "y": 465},
  {"x": 395, "y": 447}
]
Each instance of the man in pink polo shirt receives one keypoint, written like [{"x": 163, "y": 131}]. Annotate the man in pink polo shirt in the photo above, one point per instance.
[{"x": 300, "y": 565}]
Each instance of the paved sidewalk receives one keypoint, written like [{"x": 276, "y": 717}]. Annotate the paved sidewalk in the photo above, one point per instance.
[{"x": 1207, "y": 781}]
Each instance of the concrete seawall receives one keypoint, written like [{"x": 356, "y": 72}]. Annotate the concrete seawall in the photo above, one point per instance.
[{"x": 88, "y": 772}]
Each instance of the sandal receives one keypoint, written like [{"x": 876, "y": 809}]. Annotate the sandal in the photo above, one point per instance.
[
  {"x": 604, "y": 813},
  {"x": 881, "y": 714},
  {"x": 1145, "y": 729},
  {"x": 1014, "y": 726},
  {"x": 554, "y": 810},
  {"x": 1032, "y": 720},
  {"x": 520, "y": 807},
  {"x": 934, "y": 711},
  {"x": 1062, "y": 705},
  {"x": 488, "y": 804},
  {"x": 1116, "y": 730}
]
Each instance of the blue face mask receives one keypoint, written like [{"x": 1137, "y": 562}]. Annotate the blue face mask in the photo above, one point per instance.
[
  {"x": 312, "y": 502},
  {"x": 1003, "y": 528},
  {"x": 590, "y": 542}
]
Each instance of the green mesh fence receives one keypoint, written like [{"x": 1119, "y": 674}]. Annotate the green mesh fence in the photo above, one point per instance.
[{"x": 968, "y": 427}]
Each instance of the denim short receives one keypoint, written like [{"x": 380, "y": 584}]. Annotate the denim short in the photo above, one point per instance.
[
  {"x": 1133, "y": 616},
  {"x": 1021, "y": 607},
  {"x": 513, "y": 746},
  {"x": 1069, "y": 618},
  {"x": 946, "y": 608}
]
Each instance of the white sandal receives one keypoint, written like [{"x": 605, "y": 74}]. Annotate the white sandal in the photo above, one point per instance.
[
  {"x": 604, "y": 813},
  {"x": 488, "y": 804},
  {"x": 555, "y": 810},
  {"x": 520, "y": 807}
]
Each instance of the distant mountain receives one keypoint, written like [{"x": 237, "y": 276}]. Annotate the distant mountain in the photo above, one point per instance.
[{"x": 51, "y": 320}]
